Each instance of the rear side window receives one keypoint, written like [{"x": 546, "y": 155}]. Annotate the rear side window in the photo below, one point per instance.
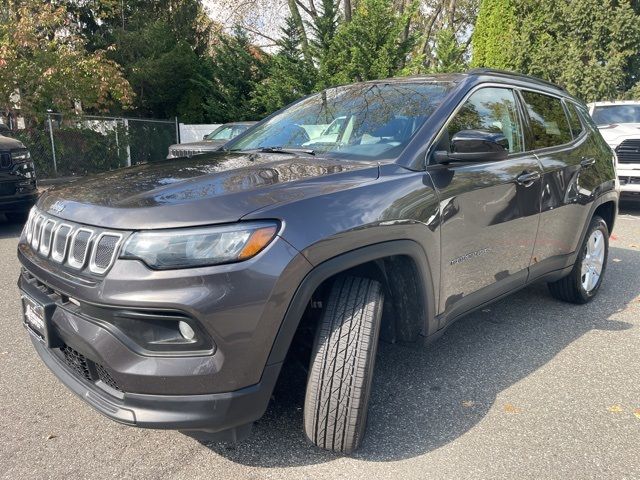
[
  {"x": 574, "y": 120},
  {"x": 548, "y": 120}
]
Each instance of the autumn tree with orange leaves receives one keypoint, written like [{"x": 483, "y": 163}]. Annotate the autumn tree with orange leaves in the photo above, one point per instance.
[{"x": 44, "y": 64}]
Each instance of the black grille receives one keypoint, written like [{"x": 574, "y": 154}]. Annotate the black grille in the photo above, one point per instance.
[
  {"x": 83, "y": 367},
  {"x": 629, "y": 151},
  {"x": 76, "y": 362},
  {"x": 5, "y": 160},
  {"x": 104, "y": 250},
  {"x": 106, "y": 377}
]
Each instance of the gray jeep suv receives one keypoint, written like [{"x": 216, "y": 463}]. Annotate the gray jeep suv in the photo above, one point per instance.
[{"x": 168, "y": 295}]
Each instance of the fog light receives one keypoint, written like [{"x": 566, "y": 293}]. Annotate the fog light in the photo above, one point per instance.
[{"x": 186, "y": 331}]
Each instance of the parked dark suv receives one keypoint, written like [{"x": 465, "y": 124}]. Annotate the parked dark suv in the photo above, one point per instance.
[
  {"x": 18, "y": 188},
  {"x": 168, "y": 295}
]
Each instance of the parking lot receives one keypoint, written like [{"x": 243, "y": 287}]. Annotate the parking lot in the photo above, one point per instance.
[{"x": 526, "y": 388}]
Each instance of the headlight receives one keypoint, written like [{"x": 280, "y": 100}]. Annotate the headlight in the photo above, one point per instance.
[
  {"x": 196, "y": 247},
  {"x": 20, "y": 156}
]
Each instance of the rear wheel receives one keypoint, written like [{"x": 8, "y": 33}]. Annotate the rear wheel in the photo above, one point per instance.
[
  {"x": 342, "y": 362},
  {"x": 584, "y": 281}
]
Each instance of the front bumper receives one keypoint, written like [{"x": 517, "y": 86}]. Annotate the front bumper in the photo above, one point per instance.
[
  {"x": 240, "y": 306},
  {"x": 213, "y": 413},
  {"x": 629, "y": 178},
  {"x": 83, "y": 356}
]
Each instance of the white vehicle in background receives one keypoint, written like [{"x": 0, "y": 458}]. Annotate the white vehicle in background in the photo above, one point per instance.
[{"x": 619, "y": 124}]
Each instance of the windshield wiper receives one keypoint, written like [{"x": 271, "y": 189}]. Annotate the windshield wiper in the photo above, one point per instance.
[{"x": 292, "y": 151}]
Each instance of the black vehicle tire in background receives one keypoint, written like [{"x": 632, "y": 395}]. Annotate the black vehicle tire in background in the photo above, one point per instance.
[
  {"x": 572, "y": 287},
  {"x": 342, "y": 363}
]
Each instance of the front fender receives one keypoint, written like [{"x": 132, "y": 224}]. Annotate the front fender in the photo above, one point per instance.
[{"x": 345, "y": 261}]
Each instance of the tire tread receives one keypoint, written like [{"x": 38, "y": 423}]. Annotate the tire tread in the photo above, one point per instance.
[{"x": 342, "y": 364}]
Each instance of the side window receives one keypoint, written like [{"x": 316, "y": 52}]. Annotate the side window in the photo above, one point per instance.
[
  {"x": 548, "y": 120},
  {"x": 574, "y": 120},
  {"x": 492, "y": 110}
]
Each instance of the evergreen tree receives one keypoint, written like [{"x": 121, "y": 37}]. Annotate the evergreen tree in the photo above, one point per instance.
[
  {"x": 238, "y": 68},
  {"x": 324, "y": 27},
  {"x": 161, "y": 70},
  {"x": 289, "y": 77},
  {"x": 372, "y": 45},
  {"x": 588, "y": 46},
  {"x": 494, "y": 35},
  {"x": 162, "y": 47},
  {"x": 448, "y": 53}
]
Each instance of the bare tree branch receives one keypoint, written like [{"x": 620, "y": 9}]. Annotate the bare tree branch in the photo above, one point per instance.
[
  {"x": 430, "y": 26},
  {"x": 260, "y": 34},
  {"x": 307, "y": 10},
  {"x": 312, "y": 7}
]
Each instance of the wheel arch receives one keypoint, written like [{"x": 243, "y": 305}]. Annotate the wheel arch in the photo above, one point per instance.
[
  {"x": 606, "y": 204},
  {"x": 608, "y": 211},
  {"x": 412, "y": 296}
]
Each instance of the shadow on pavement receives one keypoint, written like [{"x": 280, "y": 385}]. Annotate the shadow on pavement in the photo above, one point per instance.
[{"x": 420, "y": 396}]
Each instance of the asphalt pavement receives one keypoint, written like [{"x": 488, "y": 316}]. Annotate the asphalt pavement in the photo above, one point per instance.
[{"x": 527, "y": 388}]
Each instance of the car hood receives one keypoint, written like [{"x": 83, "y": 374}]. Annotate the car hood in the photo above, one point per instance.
[
  {"x": 8, "y": 143},
  {"x": 614, "y": 135},
  {"x": 206, "y": 189}
]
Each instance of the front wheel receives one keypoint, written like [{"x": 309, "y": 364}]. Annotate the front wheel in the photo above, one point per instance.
[
  {"x": 342, "y": 361},
  {"x": 584, "y": 281}
]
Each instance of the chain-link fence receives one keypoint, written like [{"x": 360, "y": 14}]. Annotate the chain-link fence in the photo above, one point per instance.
[{"x": 69, "y": 146}]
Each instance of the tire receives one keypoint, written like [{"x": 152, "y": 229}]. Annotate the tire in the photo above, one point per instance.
[
  {"x": 572, "y": 287},
  {"x": 342, "y": 362}
]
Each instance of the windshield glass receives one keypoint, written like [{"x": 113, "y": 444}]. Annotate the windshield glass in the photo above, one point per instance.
[
  {"x": 221, "y": 133},
  {"x": 226, "y": 132},
  {"x": 616, "y": 114},
  {"x": 365, "y": 121}
]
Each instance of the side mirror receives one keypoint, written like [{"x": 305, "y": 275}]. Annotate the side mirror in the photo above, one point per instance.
[
  {"x": 475, "y": 146},
  {"x": 204, "y": 137}
]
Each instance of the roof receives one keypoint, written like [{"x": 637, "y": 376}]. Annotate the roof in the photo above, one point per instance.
[
  {"x": 477, "y": 73},
  {"x": 515, "y": 76}
]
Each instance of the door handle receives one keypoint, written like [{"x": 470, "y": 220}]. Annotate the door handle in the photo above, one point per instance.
[
  {"x": 527, "y": 178},
  {"x": 585, "y": 162}
]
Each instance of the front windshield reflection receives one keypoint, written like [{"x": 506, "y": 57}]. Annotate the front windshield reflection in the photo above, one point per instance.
[{"x": 366, "y": 121}]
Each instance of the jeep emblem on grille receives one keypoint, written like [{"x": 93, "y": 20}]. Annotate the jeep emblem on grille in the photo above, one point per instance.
[{"x": 57, "y": 207}]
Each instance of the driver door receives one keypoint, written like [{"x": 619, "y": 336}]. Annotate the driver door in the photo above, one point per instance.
[{"x": 489, "y": 213}]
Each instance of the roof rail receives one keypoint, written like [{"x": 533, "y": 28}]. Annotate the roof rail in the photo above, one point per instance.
[{"x": 505, "y": 73}]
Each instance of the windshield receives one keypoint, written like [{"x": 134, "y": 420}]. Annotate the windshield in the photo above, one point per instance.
[
  {"x": 226, "y": 132},
  {"x": 616, "y": 114},
  {"x": 366, "y": 121}
]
